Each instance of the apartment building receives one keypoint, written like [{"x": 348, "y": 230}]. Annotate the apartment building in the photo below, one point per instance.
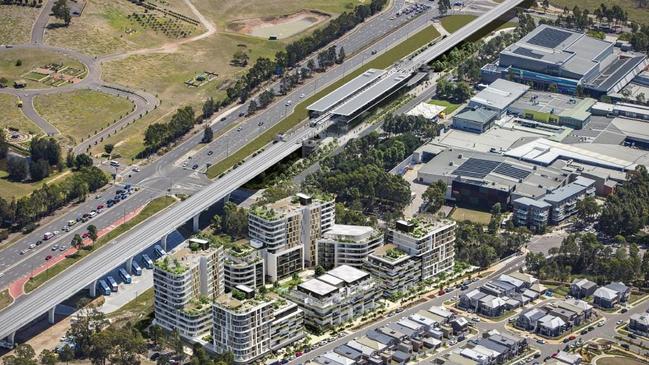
[
  {"x": 185, "y": 283},
  {"x": 287, "y": 230},
  {"x": 251, "y": 327},
  {"x": 431, "y": 243},
  {"x": 244, "y": 265},
  {"x": 339, "y": 295},
  {"x": 347, "y": 245},
  {"x": 394, "y": 270}
]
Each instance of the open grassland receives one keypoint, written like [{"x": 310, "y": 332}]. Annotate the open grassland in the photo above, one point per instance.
[
  {"x": 636, "y": 14},
  {"x": 475, "y": 216},
  {"x": 450, "y": 107},
  {"x": 13, "y": 117},
  {"x": 619, "y": 360},
  {"x": 454, "y": 22},
  {"x": 229, "y": 10},
  {"x": 152, "y": 208},
  {"x": 165, "y": 74},
  {"x": 300, "y": 113},
  {"x": 80, "y": 114},
  {"x": 16, "y": 23},
  {"x": 10, "y": 189},
  {"x": 104, "y": 28},
  {"x": 29, "y": 60}
]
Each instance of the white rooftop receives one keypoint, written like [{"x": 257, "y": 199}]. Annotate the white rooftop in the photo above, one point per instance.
[
  {"x": 428, "y": 111},
  {"x": 500, "y": 94},
  {"x": 347, "y": 273},
  {"x": 344, "y": 231}
]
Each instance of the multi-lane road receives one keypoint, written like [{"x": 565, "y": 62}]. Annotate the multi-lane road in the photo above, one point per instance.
[{"x": 168, "y": 172}]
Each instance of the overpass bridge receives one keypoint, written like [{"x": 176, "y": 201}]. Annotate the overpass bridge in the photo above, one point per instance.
[{"x": 122, "y": 250}]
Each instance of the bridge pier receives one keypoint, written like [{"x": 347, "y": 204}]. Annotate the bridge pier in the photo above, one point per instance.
[
  {"x": 195, "y": 222},
  {"x": 93, "y": 289},
  {"x": 129, "y": 265},
  {"x": 11, "y": 340},
  {"x": 163, "y": 242},
  {"x": 51, "y": 315},
  {"x": 226, "y": 199}
]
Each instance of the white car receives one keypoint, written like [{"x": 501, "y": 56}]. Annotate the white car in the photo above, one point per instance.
[
  {"x": 56, "y": 232},
  {"x": 32, "y": 246},
  {"x": 301, "y": 96},
  {"x": 136, "y": 169}
]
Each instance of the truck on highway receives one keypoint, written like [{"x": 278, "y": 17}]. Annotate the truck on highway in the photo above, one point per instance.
[
  {"x": 147, "y": 262},
  {"x": 103, "y": 287},
  {"x": 137, "y": 270},
  {"x": 112, "y": 283},
  {"x": 125, "y": 276},
  {"x": 159, "y": 251}
]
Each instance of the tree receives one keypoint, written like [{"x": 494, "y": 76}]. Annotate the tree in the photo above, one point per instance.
[
  {"x": 252, "y": 107},
  {"x": 92, "y": 233},
  {"x": 341, "y": 56},
  {"x": 319, "y": 270},
  {"x": 82, "y": 160},
  {"x": 24, "y": 355},
  {"x": 209, "y": 107},
  {"x": 4, "y": 145},
  {"x": 208, "y": 134},
  {"x": 61, "y": 11},
  {"x": 235, "y": 220},
  {"x": 89, "y": 321},
  {"x": 216, "y": 223},
  {"x": 66, "y": 354},
  {"x": 48, "y": 357},
  {"x": 77, "y": 242},
  {"x": 434, "y": 196},
  {"x": 69, "y": 159},
  {"x": 587, "y": 209},
  {"x": 108, "y": 148},
  {"x": 157, "y": 335},
  {"x": 178, "y": 346},
  {"x": 18, "y": 168},
  {"x": 39, "y": 170},
  {"x": 240, "y": 58}
]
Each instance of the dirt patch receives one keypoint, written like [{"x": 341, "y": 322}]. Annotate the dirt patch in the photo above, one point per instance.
[{"x": 280, "y": 26}]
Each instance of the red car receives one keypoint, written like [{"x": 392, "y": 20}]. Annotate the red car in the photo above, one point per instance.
[
  {"x": 85, "y": 235},
  {"x": 101, "y": 206},
  {"x": 48, "y": 257},
  {"x": 441, "y": 292}
]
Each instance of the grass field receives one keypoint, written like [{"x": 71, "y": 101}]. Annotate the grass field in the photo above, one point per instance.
[
  {"x": 5, "y": 299},
  {"x": 10, "y": 189},
  {"x": 635, "y": 14},
  {"x": 619, "y": 360},
  {"x": 450, "y": 107},
  {"x": 475, "y": 216},
  {"x": 12, "y": 116},
  {"x": 31, "y": 58},
  {"x": 16, "y": 23},
  {"x": 141, "y": 305},
  {"x": 541, "y": 116},
  {"x": 384, "y": 60},
  {"x": 82, "y": 113},
  {"x": 152, "y": 208},
  {"x": 454, "y": 22},
  {"x": 104, "y": 28}
]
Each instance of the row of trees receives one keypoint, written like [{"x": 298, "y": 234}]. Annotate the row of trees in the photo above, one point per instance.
[
  {"x": 359, "y": 174},
  {"x": 482, "y": 248},
  {"x": 626, "y": 211},
  {"x": 457, "y": 92},
  {"x": 47, "y": 199},
  {"x": 158, "y": 135},
  {"x": 45, "y": 155},
  {"x": 584, "y": 255},
  {"x": 415, "y": 124},
  {"x": 264, "y": 68}
]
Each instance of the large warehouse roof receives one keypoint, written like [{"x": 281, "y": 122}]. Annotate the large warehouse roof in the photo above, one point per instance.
[
  {"x": 500, "y": 94},
  {"x": 370, "y": 94},
  {"x": 345, "y": 91},
  {"x": 544, "y": 152}
]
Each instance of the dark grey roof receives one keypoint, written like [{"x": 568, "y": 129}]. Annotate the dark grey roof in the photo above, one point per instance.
[
  {"x": 345, "y": 91},
  {"x": 476, "y": 167},
  {"x": 615, "y": 72},
  {"x": 618, "y": 287},
  {"x": 491, "y": 345},
  {"x": 403, "y": 329},
  {"x": 401, "y": 356},
  {"x": 348, "y": 352},
  {"x": 370, "y": 94},
  {"x": 478, "y": 115},
  {"x": 379, "y": 337}
]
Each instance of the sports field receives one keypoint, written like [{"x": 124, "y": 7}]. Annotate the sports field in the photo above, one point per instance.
[{"x": 475, "y": 216}]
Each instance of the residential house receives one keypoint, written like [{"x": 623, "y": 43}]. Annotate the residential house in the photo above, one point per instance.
[
  {"x": 639, "y": 322},
  {"x": 580, "y": 288}
]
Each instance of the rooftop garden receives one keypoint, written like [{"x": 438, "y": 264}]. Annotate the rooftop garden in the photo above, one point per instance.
[
  {"x": 266, "y": 213},
  {"x": 198, "y": 306},
  {"x": 171, "y": 266},
  {"x": 394, "y": 253},
  {"x": 239, "y": 248}
]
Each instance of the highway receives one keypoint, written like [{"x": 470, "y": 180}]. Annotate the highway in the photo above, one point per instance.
[{"x": 165, "y": 173}]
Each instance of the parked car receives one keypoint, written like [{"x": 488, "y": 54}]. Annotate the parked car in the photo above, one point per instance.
[{"x": 48, "y": 257}]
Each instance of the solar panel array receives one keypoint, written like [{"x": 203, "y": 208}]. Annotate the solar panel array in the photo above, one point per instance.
[
  {"x": 511, "y": 171},
  {"x": 476, "y": 167},
  {"x": 479, "y": 168},
  {"x": 549, "y": 38}
]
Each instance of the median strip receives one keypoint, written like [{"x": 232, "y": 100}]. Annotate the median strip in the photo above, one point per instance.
[
  {"x": 300, "y": 113},
  {"x": 47, "y": 272}
]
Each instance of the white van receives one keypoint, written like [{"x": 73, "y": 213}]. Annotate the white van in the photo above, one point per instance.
[{"x": 114, "y": 163}]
